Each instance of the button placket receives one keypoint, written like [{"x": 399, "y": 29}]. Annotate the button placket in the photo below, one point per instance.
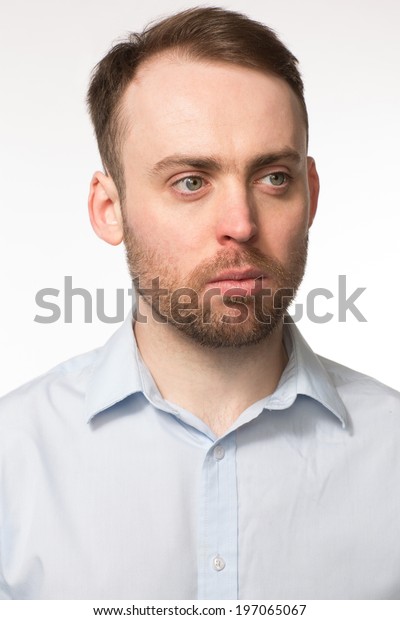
[{"x": 218, "y": 558}]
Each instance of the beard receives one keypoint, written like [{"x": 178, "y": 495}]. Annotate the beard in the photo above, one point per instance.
[{"x": 210, "y": 319}]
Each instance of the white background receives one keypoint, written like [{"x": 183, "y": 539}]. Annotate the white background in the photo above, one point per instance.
[{"x": 350, "y": 57}]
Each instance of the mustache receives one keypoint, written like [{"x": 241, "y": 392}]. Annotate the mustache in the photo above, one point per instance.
[{"x": 247, "y": 257}]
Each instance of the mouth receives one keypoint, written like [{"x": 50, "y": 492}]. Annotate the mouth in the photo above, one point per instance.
[
  {"x": 238, "y": 274},
  {"x": 238, "y": 282}
]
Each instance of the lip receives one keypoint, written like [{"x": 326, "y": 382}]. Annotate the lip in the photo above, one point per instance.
[
  {"x": 237, "y": 275},
  {"x": 238, "y": 282}
]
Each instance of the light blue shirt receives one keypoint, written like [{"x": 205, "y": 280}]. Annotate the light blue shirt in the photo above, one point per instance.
[{"x": 108, "y": 491}]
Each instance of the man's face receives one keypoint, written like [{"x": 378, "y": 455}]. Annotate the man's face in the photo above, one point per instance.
[{"x": 217, "y": 196}]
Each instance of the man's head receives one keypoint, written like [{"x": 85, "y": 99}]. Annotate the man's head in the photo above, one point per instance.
[
  {"x": 207, "y": 34},
  {"x": 202, "y": 128}
]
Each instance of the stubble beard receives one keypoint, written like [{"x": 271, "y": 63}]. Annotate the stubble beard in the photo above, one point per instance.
[{"x": 224, "y": 321}]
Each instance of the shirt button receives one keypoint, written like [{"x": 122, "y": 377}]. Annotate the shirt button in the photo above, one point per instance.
[
  {"x": 218, "y": 563},
  {"x": 219, "y": 452}
]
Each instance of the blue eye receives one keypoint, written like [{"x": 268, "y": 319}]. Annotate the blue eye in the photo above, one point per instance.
[{"x": 189, "y": 185}]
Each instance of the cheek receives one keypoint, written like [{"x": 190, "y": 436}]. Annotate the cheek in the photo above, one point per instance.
[
  {"x": 166, "y": 234},
  {"x": 167, "y": 241},
  {"x": 285, "y": 233}
]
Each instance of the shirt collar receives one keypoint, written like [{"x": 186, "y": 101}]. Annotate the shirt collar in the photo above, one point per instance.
[
  {"x": 306, "y": 374},
  {"x": 119, "y": 371},
  {"x": 115, "y": 372}
]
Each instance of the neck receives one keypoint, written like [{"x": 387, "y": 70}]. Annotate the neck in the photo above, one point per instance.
[{"x": 216, "y": 385}]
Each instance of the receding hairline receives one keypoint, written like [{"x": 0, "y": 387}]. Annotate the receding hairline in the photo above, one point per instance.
[{"x": 180, "y": 53}]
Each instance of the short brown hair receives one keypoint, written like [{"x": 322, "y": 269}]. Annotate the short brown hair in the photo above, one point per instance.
[{"x": 202, "y": 33}]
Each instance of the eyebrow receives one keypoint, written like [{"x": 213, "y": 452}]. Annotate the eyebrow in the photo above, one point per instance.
[{"x": 214, "y": 165}]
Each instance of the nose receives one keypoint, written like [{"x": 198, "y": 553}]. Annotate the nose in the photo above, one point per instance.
[{"x": 236, "y": 217}]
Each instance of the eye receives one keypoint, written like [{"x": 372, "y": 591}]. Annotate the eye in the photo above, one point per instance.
[
  {"x": 277, "y": 179},
  {"x": 189, "y": 185}
]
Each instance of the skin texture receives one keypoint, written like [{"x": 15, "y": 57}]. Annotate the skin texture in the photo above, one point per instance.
[{"x": 217, "y": 177}]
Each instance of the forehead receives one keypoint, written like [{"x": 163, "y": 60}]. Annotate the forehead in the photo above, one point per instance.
[{"x": 177, "y": 103}]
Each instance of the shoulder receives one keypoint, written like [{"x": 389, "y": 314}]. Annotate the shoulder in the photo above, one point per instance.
[
  {"x": 60, "y": 388},
  {"x": 360, "y": 391},
  {"x": 343, "y": 377}
]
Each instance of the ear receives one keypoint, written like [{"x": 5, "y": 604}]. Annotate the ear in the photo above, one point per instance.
[
  {"x": 313, "y": 186},
  {"x": 105, "y": 209}
]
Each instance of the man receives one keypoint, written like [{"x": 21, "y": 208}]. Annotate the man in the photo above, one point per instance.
[{"x": 205, "y": 451}]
